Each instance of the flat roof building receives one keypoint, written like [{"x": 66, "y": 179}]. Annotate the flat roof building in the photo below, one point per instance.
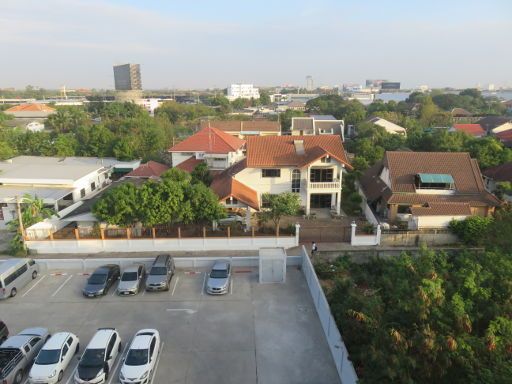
[{"x": 127, "y": 77}]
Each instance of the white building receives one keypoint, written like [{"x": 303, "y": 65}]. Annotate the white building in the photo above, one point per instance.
[
  {"x": 149, "y": 104},
  {"x": 59, "y": 182},
  {"x": 35, "y": 126},
  {"x": 243, "y": 91},
  {"x": 317, "y": 125},
  {"x": 389, "y": 126}
]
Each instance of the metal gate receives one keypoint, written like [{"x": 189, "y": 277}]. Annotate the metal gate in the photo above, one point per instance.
[{"x": 272, "y": 268}]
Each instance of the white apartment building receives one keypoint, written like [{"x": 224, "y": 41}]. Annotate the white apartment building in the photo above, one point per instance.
[{"x": 242, "y": 91}]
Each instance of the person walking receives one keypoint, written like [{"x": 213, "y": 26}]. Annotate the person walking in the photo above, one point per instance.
[{"x": 314, "y": 248}]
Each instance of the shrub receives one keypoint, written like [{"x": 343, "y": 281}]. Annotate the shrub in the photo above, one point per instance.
[{"x": 473, "y": 230}]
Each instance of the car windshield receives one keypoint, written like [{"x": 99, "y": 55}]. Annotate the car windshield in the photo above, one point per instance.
[
  {"x": 98, "y": 278},
  {"x": 48, "y": 356},
  {"x": 158, "y": 271},
  {"x": 219, "y": 273},
  {"x": 129, "y": 276},
  {"x": 137, "y": 357},
  {"x": 93, "y": 358}
]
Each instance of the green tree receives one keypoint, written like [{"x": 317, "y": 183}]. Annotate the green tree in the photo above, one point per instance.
[
  {"x": 118, "y": 206},
  {"x": 284, "y": 204},
  {"x": 264, "y": 98},
  {"x": 6, "y": 151},
  {"x": 65, "y": 145},
  {"x": 201, "y": 174},
  {"x": 472, "y": 230},
  {"x": 204, "y": 204},
  {"x": 176, "y": 174},
  {"x": 239, "y": 103}
]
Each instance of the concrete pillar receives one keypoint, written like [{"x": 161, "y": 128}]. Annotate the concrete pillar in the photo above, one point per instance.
[
  {"x": 248, "y": 217},
  {"x": 297, "y": 233},
  {"x": 308, "y": 201},
  {"x": 353, "y": 233},
  {"x": 338, "y": 203},
  {"x": 378, "y": 235}
]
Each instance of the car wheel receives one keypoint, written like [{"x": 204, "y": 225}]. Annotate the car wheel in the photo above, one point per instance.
[
  {"x": 61, "y": 373},
  {"x": 77, "y": 349},
  {"x": 18, "y": 377},
  {"x": 13, "y": 292},
  {"x": 34, "y": 275}
]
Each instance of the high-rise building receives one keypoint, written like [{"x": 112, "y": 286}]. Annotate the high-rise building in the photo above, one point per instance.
[
  {"x": 309, "y": 83},
  {"x": 127, "y": 77}
]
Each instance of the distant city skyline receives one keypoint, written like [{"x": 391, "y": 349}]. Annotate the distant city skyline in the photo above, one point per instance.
[{"x": 213, "y": 44}]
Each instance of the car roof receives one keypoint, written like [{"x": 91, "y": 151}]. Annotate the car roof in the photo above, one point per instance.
[
  {"x": 132, "y": 268},
  {"x": 34, "y": 331},
  {"x": 141, "y": 342},
  {"x": 100, "y": 338},
  {"x": 57, "y": 340},
  {"x": 220, "y": 264},
  {"x": 16, "y": 341},
  {"x": 161, "y": 259},
  {"x": 105, "y": 268},
  {"x": 10, "y": 263}
]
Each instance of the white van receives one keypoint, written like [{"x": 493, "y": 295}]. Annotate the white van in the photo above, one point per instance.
[{"x": 15, "y": 274}]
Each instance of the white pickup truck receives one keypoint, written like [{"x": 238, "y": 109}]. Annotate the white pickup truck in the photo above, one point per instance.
[{"x": 18, "y": 352}]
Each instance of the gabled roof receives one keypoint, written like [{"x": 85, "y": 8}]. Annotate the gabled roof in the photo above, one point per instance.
[
  {"x": 490, "y": 122},
  {"x": 225, "y": 186},
  {"x": 442, "y": 209},
  {"x": 386, "y": 124},
  {"x": 30, "y": 108},
  {"x": 502, "y": 172},
  {"x": 209, "y": 140},
  {"x": 505, "y": 136},
  {"x": 470, "y": 129},
  {"x": 243, "y": 126},
  {"x": 189, "y": 165},
  {"x": 460, "y": 112},
  {"x": 151, "y": 169},
  {"x": 404, "y": 166},
  {"x": 279, "y": 151}
]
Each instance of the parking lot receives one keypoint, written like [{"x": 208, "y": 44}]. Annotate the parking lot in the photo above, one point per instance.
[{"x": 254, "y": 334}]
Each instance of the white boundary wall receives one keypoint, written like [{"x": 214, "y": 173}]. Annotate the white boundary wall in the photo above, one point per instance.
[
  {"x": 338, "y": 349},
  {"x": 85, "y": 265},
  {"x": 160, "y": 245}
]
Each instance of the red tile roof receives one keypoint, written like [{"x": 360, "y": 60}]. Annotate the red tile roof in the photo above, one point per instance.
[
  {"x": 209, "y": 140},
  {"x": 243, "y": 126},
  {"x": 189, "y": 165},
  {"x": 30, "y": 108},
  {"x": 470, "y": 129},
  {"x": 442, "y": 209},
  {"x": 225, "y": 186},
  {"x": 505, "y": 136},
  {"x": 403, "y": 166},
  {"x": 151, "y": 169},
  {"x": 502, "y": 172},
  {"x": 279, "y": 151}
]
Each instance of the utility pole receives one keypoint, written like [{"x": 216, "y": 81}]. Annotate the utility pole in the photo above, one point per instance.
[{"x": 20, "y": 219}]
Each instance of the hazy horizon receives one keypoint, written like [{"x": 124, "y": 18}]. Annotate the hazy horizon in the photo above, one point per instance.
[{"x": 209, "y": 45}]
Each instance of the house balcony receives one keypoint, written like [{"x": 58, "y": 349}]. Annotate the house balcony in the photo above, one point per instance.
[{"x": 324, "y": 186}]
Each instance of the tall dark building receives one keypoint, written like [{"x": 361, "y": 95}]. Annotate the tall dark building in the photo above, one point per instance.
[{"x": 127, "y": 77}]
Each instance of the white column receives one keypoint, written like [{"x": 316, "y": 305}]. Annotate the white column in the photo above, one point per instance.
[
  {"x": 338, "y": 203},
  {"x": 308, "y": 198},
  {"x": 353, "y": 233},
  {"x": 248, "y": 217}
]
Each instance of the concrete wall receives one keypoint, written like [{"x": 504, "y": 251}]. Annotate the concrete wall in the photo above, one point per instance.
[
  {"x": 338, "y": 349},
  {"x": 159, "y": 245},
  {"x": 364, "y": 240},
  {"x": 415, "y": 238},
  {"x": 420, "y": 222}
]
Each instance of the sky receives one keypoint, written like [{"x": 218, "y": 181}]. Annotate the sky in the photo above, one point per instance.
[{"x": 207, "y": 43}]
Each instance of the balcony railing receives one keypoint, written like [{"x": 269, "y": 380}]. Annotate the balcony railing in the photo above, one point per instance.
[{"x": 325, "y": 185}]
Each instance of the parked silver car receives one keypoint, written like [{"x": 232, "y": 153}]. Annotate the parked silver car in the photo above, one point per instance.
[
  {"x": 219, "y": 278},
  {"x": 160, "y": 274},
  {"x": 131, "y": 280}
]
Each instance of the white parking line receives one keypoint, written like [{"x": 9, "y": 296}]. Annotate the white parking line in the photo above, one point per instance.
[
  {"x": 32, "y": 287},
  {"x": 175, "y": 284},
  {"x": 187, "y": 310},
  {"x": 115, "y": 290},
  {"x": 72, "y": 374},
  {"x": 204, "y": 283},
  {"x": 118, "y": 361},
  {"x": 62, "y": 285},
  {"x": 157, "y": 361}
]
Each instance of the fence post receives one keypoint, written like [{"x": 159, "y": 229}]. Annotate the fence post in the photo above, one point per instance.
[
  {"x": 297, "y": 233},
  {"x": 377, "y": 237},
  {"x": 102, "y": 234},
  {"x": 77, "y": 235},
  {"x": 128, "y": 234},
  {"x": 204, "y": 233},
  {"x": 51, "y": 235},
  {"x": 153, "y": 233},
  {"x": 353, "y": 233},
  {"x": 252, "y": 231},
  {"x": 179, "y": 232},
  {"x": 229, "y": 232}
]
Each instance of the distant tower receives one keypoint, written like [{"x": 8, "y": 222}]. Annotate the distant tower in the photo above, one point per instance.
[
  {"x": 128, "y": 82},
  {"x": 309, "y": 83}
]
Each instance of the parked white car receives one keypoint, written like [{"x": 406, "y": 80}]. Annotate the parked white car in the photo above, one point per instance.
[
  {"x": 140, "y": 361},
  {"x": 99, "y": 357},
  {"x": 53, "y": 359}
]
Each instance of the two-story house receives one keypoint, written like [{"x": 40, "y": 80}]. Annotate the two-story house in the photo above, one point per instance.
[
  {"x": 311, "y": 166},
  {"x": 218, "y": 149},
  {"x": 426, "y": 189},
  {"x": 317, "y": 125}
]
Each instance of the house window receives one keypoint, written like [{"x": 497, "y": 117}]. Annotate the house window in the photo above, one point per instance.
[
  {"x": 326, "y": 159},
  {"x": 93, "y": 186},
  {"x": 321, "y": 175},
  {"x": 270, "y": 173},
  {"x": 219, "y": 159},
  {"x": 231, "y": 201},
  {"x": 296, "y": 181},
  {"x": 403, "y": 209},
  {"x": 82, "y": 192}
]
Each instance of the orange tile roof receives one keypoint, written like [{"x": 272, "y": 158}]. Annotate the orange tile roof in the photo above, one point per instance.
[
  {"x": 442, "y": 209},
  {"x": 470, "y": 129},
  {"x": 225, "y": 186},
  {"x": 189, "y": 165},
  {"x": 30, "y": 108},
  {"x": 243, "y": 126},
  {"x": 505, "y": 136},
  {"x": 279, "y": 151},
  {"x": 149, "y": 169},
  {"x": 209, "y": 140}
]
